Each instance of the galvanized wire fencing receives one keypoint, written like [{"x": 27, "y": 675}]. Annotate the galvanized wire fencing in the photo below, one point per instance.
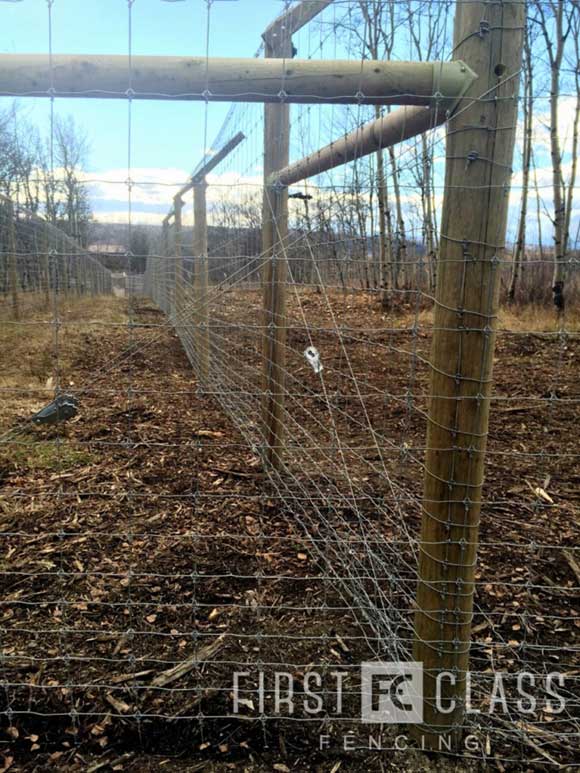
[
  {"x": 39, "y": 258},
  {"x": 355, "y": 407},
  {"x": 273, "y": 470}
]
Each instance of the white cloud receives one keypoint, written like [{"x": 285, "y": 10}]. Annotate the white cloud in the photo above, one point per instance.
[
  {"x": 120, "y": 216},
  {"x": 153, "y": 189},
  {"x": 152, "y": 186},
  {"x": 541, "y": 131}
]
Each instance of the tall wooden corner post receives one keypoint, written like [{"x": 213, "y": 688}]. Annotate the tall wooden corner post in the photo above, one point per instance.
[
  {"x": 480, "y": 140},
  {"x": 200, "y": 257},
  {"x": 278, "y": 44}
]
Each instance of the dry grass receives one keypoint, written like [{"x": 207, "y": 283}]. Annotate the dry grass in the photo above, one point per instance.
[
  {"x": 128, "y": 512},
  {"x": 537, "y": 319},
  {"x": 30, "y": 363},
  {"x": 530, "y": 318}
]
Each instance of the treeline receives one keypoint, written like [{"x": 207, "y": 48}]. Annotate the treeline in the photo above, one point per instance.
[
  {"x": 44, "y": 174},
  {"x": 401, "y": 190},
  {"x": 374, "y": 223}
]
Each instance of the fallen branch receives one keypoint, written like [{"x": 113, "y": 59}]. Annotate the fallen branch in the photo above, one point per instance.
[
  {"x": 202, "y": 655},
  {"x": 111, "y": 763},
  {"x": 574, "y": 566},
  {"x": 527, "y": 740}
]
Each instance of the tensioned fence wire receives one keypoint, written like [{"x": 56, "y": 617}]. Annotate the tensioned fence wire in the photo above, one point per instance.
[
  {"x": 344, "y": 473},
  {"x": 38, "y": 257},
  {"x": 340, "y": 521}
]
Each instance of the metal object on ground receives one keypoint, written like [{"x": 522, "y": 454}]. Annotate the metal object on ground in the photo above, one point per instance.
[{"x": 62, "y": 408}]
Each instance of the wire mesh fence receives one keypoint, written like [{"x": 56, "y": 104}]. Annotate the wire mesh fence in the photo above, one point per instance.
[
  {"x": 175, "y": 592},
  {"x": 40, "y": 259}
]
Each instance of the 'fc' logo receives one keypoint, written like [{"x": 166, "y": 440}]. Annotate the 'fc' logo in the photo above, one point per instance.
[{"x": 392, "y": 693}]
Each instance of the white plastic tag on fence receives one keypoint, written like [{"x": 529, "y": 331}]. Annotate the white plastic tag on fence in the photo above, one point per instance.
[{"x": 313, "y": 357}]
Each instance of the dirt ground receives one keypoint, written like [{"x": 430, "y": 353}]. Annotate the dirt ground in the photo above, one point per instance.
[{"x": 145, "y": 555}]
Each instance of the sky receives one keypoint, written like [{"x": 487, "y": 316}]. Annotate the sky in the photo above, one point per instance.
[{"x": 168, "y": 139}]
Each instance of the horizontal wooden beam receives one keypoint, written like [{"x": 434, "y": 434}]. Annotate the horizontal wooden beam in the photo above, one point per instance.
[
  {"x": 231, "y": 80},
  {"x": 200, "y": 175},
  {"x": 294, "y": 19},
  {"x": 213, "y": 161},
  {"x": 382, "y": 133}
]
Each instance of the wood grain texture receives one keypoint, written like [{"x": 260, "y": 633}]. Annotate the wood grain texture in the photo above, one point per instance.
[{"x": 480, "y": 144}]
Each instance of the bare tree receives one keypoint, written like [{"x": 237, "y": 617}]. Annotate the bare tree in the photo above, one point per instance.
[
  {"x": 376, "y": 39},
  {"x": 427, "y": 35},
  {"x": 575, "y": 67},
  {"x": 555, "y": 19},
  {"x": 71, "y": 149},
  {"x": 18, "y": 158},
  {"x": 140, "y": 248},
  {"x": 528, "y": 110}
]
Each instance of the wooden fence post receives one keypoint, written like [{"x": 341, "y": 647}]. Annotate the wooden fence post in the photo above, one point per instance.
[
  {"x": 77, "y": 270},
  {"x": 488, "y": 38},
  {"x": 65, "y": 276},
  {"x": 13, "y": 258},
  {"x": 274, "y": 238},
  {"x": 160, "y": 269},
  {"x": 178, "y": 264},
  {"x": 165, "y": 238},
  {"x": 44, "y": 245},
  {"x": 201, "y": 273},
  {"x": 197, "y": 183},
  {"x": 278, "y": 45}
]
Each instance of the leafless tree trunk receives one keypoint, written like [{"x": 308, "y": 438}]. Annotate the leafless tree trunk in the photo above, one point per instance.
[
  {"x": 400, "y": 234},
  {"x": 575, "y": 66},
  {"x": 528, "y": 104},
  {"x": 379, "y": 40},
  {"x": 426, "y": 35},
  {"x": 555, "y": 31},
  {"x": 385, "y": 229},
  {"x": 71, "y": 147}
]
